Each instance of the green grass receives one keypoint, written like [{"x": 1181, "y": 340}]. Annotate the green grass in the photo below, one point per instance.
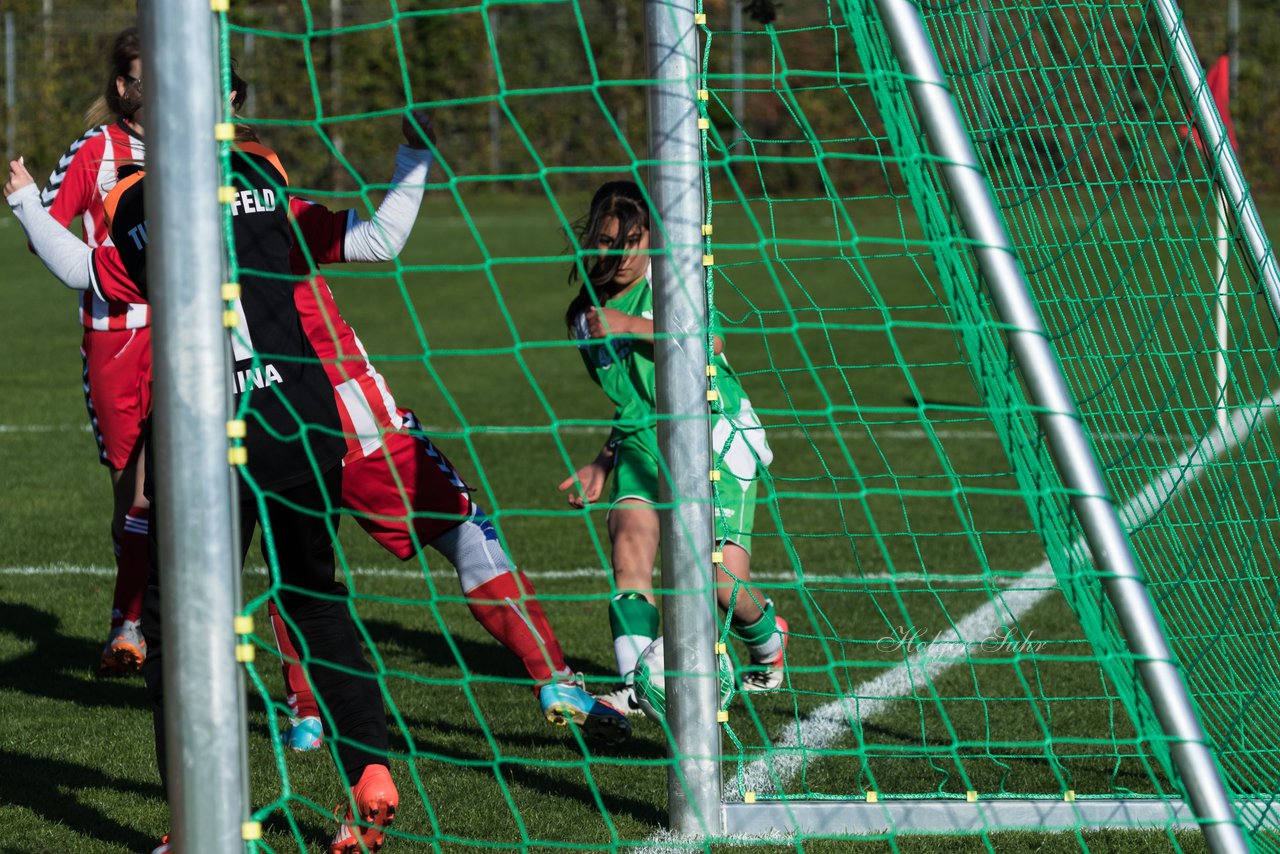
[{"x": 474, "y": 348}]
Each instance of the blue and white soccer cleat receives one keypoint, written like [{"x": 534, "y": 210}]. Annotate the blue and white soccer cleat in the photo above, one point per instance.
[
  {"x": 305, "y": 734},
  {"x": 563, "y": 702}
]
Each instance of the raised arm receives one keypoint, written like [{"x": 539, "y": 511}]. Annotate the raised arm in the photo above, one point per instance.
[
  {"x": 383, "y": 237},
  {"x": 67, "y": 257}
]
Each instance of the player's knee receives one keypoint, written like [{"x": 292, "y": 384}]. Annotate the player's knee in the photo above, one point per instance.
[{"x": 474, "y": 550}]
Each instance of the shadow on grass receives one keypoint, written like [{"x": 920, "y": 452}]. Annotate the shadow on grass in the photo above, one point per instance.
[
  {"x": 58, "y": 667},
  {"x": 431, "y": 650},
  {"x": 41, "y": 786}
]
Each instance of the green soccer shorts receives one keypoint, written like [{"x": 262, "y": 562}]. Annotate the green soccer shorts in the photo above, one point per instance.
[{"x": 635, "y": 478}]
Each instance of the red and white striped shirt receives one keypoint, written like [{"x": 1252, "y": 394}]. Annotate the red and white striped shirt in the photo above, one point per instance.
[
  {"x": 365, "y": 403},
  {"x": 84, "y": 177}
]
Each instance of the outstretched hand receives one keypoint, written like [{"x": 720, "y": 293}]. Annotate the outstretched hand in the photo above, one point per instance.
[
  {"x": 19, "y": 177},
  {"x": 419, "y": 130},
  {"x": 589, "y": 481}
]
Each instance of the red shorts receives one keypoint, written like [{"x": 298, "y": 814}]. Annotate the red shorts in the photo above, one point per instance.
[
  {"x": 117, "y": 389},
  {"x": 408, "y": 479}
]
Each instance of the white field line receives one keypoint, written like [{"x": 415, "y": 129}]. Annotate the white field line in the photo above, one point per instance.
[
  {"x": 815, "y": 432},
  {"x": 832, "y": 722}
]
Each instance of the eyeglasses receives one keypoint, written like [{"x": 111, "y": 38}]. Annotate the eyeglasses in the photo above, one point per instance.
[{"x": 130, "y": 80}]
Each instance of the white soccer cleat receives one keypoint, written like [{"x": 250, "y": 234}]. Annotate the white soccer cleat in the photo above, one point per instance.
[{"x": 768, "y": 675}]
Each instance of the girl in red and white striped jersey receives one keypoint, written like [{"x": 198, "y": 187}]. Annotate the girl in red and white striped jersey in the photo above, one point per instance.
[{"x": 116, "y": 347}]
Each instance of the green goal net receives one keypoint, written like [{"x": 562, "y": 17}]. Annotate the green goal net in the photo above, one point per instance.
[{"x": 949, "y": 640}]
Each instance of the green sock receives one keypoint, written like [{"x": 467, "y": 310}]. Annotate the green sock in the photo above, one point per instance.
[
  {"x": 635, "y": 624},
  {"x": 762, "y": 636}
]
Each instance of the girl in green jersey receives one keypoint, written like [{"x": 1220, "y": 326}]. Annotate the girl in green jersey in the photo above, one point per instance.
[{"x": 612, "y": 319}]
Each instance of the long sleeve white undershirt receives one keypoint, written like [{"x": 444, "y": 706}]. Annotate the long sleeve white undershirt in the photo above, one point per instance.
[
  {"x": 68, "y": 257},
  {"x": 383, "y": 237},
  {"x": 380, "y": 239}
]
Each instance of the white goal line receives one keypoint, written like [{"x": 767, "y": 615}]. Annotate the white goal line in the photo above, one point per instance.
[{"x": 830, "y": 723}]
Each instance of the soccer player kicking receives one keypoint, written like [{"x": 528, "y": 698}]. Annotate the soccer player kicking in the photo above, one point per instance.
[
  {"x": 405, "y": 492},
  {"x": 297, "y": 503},
  {"x": 611, "y": 318}
]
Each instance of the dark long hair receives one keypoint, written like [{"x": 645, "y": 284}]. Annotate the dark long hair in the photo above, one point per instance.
[
  {"x": 110, "y": 104},
  {"x": 620, "y": 200}
]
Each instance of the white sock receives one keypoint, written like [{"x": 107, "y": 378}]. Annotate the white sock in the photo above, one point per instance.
[{"x": 627, "y": 650}]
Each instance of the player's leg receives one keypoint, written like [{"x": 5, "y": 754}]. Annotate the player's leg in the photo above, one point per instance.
[
  {"x": 633, "y": 536},
  {"x": 117, "y": 385},
  {"x": 410, "y": 494},
  {"x": 305, "y": 730},
  {"x": 320, "y": 625},
  {"x": 502, "y": 599},
  {"x": 633, "y": 613},
  {"x": 751, "y": 615}
]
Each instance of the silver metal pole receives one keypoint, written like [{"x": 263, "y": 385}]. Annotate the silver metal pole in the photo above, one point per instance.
[
  {"x": 198, "y": 562},
  {"x": 738, "y": 67},
  {"x": 1102, "y": 529},
  {"x": 10, "y": 91},
  {"x": 495, "y": 116},
  {"x": 680, "y": 324},
  {"x": 1233, "y": 48},
  {"x": 335, "y": 106},
  {"x": 1241, "y": 207},
  {"x": 984, "y": 75}
]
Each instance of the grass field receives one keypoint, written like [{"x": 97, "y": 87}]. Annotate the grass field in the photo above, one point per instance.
[{"x": 899, "y": 532}]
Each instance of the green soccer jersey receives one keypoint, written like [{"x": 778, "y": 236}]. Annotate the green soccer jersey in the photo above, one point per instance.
[{"x": 623, "y": 368}]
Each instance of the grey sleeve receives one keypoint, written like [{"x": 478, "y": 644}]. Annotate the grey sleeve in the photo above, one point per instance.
[{"x": 67, "y": 256}]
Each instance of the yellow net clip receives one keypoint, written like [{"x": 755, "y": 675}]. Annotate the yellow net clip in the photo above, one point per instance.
[
  {"x": 708, "y": 260},
  {"x": 713, "y": 396},
  {"x": 1069, "y": 795},
  {"x": 707, "y": 230},
  {"x": 717, "y": 557},
  {"x": 704, "y": 95},
  {"x": 251, "y": 831},
  {"x": 711, "y": 370},
  {"x": 722, "y": 717},
  {"x": 230, "y": 291},
  {"x": 873, "y": 797},
  {"x": 244, "y": 653},
  {"x": 227, "y": 195},
  {"x": 224, "y": 131},
  {"x": 749, "y": 798},
  {"x": 700, "y": 19},
  {"x": 221, "y": 6},
  {"x": 244, "y": 625},
  {"x": 721, "y": 648},
  {"x": 235, "y": 429},
  {"x": 238, "y": 456},
  {"x": 704, "y": 124},
  {"x": 971, "y": 796},
  {"x": 714, "y": 475}
]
